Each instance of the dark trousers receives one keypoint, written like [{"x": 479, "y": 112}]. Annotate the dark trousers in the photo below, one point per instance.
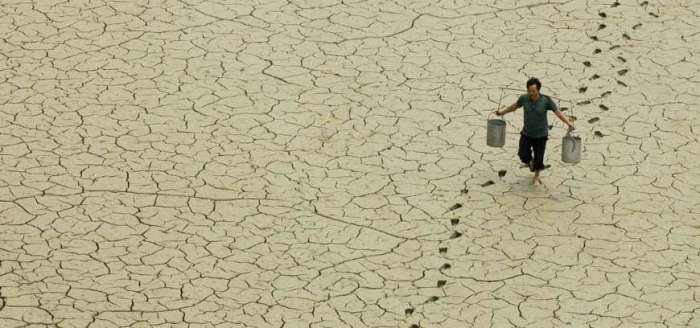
[{"x": 527, "y": 146}]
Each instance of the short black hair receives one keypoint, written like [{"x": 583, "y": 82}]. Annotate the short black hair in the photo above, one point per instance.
[{"x": 535, "y": 81}]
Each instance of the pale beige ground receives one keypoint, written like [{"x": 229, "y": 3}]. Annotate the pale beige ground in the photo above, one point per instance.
[{"x": 200, "y": 163}]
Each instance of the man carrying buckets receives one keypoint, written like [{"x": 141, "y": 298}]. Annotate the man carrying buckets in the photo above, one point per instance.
[{"x": 534, "y": 134}]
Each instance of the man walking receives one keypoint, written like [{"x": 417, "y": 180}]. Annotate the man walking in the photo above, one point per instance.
[{"x": 534, "y": 135}]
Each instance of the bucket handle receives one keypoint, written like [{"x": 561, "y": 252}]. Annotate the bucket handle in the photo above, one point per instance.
[
  {"x": 572, "y": 108},
  {"x": 568, "y": 133},
  {"x": 497, "y": 108}
]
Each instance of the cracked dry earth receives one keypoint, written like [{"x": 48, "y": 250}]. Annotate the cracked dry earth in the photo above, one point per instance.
[{"x": 201, "y": 163}]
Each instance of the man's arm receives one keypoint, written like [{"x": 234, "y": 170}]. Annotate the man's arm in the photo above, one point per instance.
[
  {"x": 559, "y": 114},
  {"x": 563, "y": 117},
  {"x": 508, "y": 109}
]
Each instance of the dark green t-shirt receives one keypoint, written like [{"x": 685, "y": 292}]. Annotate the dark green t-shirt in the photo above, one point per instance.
[{"x": 535, "y": 113}]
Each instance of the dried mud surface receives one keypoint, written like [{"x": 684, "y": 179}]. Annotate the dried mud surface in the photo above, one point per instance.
[{"x": 198, "y": 163}]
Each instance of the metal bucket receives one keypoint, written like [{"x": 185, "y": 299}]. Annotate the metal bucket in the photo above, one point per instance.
[
  {"x": 496, "y": 132},
  {"x": 571, "y": 149}
]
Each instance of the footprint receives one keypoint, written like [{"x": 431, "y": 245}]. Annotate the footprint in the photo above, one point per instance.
[
  {"x": 636, "y": 26},
  {"x": 456, "y": 234},
  {"x": 601, "y": 26},
  {"x": 653, "y": 14},
  {"x": 442, "y": 250},
  {"x": 644, "y": 3},
  {"x": 464, "y": 191},
  {"x": 408, "y": 311},
  {"x": 415, "y": 326},
  {"x": 501, "y": 173},
  {"x": 622, "y": 59},
  {"x": 445, "y": 266},
  {"x": 599, "y": 134},
  {"x": 454, "y": 222},
  {"x": 550, "y": 126},
  {"x": 605, "y": 94},
  {"x": 455, "y": 206},
  {"x": 593, "y": 120},
  {"x": 585, "y": 102},
  {"x": 582, "y": 89},
  {"x": 594, "y": 77},
  {"x": 615, "y": 4},
  {"x": 602, "y": 14},
  {"x": 623, "y": 71},
  {"x": 563, "y": 109},
  {"x": 621, "y": 83},
  {"x": 614, "y": 47},
  {"x": 594, "y": 38},
  {"x": 432, "y": 299},
  {"x": 441, "y": 283},
  {"x": 603, "y": 107},
  {"x": 487, "y": 183},
  {"x": 624, "y": 35},
  {"x": 597, "y": 51},
  {"x": 587, "y": 64}
]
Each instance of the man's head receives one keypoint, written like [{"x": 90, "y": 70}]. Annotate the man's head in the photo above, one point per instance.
[{"x": 533, "y": 87}]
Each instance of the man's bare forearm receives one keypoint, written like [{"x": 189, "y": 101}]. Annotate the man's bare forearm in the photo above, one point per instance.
[
  {"x": 563, "y": 118},
  {"x": 508, "y": 109}
]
